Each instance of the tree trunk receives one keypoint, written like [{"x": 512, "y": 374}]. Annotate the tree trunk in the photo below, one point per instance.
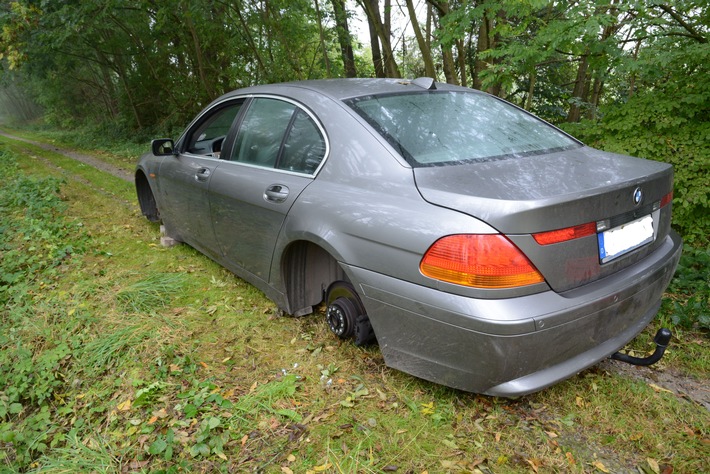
[
  {"x": 483, "y": 44},
  {"x": 322, "y": 40},
  {"x": 461, "y": 56},
  {"x": 531, "y": 90},
  {"x": 429, "y": 70},
  {"x": 372, "y": 10},
  {"x": 579, "y": 93},
  {"x": 344, "y": 38}
]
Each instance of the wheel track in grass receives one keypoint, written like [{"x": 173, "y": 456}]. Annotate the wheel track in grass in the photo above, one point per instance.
[
  {"x": 82, "y": 158},
  {"x": 668, "y": 378},
  {"x": 86, "y": 159}
]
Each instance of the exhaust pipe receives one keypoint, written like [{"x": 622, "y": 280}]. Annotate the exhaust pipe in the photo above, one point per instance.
[{"x": 663, "y": 337}]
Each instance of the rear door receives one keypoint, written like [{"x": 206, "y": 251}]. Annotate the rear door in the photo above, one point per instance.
[{"x": 277, "y": 150}]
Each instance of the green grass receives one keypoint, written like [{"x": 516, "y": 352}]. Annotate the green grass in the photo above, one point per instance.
[{"x": 117, "y": 354}]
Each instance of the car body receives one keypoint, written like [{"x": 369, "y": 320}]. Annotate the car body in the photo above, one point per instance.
[{"x": 486, "y": 249}]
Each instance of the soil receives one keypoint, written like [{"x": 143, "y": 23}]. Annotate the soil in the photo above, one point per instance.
[{"x": 663, "y": 378}]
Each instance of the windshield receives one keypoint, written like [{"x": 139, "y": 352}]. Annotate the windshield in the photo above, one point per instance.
[{"x": 441, "y": 127}]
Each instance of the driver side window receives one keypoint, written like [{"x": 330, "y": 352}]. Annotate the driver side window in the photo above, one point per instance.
[{"x": 207, "y": 137}]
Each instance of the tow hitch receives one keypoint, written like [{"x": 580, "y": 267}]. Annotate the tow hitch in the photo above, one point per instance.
[{"x": 663, "y": 337}]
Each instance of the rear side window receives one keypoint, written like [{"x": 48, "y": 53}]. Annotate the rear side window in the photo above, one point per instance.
[
  {"x": 304, "y": 147},
  {"x": 442, "y": 127},
  {"x": 278, "y": 134}
]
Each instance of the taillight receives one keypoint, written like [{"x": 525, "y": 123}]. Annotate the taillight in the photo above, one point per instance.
[
  {"x": 483, "y": 261},
  {"x": 563, "y": 235},
  {"x": 665, "y": 200}
]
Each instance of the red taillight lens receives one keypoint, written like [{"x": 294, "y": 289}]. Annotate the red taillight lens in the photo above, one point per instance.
[
  {"x": 665, "y": 200},
  {"x": 483, "y": 261},
  {"x": 568, "y": 233}
]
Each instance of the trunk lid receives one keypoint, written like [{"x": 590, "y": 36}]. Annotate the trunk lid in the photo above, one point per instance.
[{"x": 520, "y": 196}]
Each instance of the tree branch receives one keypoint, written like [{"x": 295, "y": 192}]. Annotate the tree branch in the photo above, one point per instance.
[{"x": 692, "y": 32}]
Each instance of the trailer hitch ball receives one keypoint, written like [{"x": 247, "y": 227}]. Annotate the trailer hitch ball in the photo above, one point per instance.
[{"x": 662, "y": 338}]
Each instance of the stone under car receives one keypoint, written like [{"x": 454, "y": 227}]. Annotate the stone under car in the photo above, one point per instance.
[{"x": 479, "y": 246}]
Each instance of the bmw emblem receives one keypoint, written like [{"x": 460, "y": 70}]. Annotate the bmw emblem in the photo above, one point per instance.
[{"x": 637, "y": 196}]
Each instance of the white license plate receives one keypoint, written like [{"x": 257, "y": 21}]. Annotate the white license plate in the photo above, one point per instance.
[{"x": 625, "y": 238}]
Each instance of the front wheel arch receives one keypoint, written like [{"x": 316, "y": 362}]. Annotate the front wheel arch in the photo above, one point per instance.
[{"x": 146, "y": 198}]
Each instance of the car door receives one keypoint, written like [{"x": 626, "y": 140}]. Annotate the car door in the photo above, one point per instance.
[
  {"x": 185, "y": 178},
  {"x": 277, "y": 150}
]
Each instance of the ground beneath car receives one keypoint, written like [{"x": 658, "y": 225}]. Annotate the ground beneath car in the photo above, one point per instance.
[
  {"x": 663, "y": 379},
  {"x": 660, "y": 378}
]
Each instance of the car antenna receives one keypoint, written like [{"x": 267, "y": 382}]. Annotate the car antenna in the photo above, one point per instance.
[{"x": 425, "y": 83}]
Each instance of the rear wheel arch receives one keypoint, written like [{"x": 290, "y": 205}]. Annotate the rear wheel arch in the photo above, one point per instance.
[
  {"x": 146, "y": 198},
  {"x": 312, "y": 275},
  {"x": 307, "y": 271}
]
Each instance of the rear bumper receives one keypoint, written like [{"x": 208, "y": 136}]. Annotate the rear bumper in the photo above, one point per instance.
[{"x": 511, "y": 347}]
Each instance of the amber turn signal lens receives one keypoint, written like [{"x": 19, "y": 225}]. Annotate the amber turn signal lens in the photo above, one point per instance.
[
  {"x": 563, "y": 235},
  {"x": 481, "y": 261}
]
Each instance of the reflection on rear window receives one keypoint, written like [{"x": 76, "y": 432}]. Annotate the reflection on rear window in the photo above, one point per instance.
[{"x": 438, "y": 127}]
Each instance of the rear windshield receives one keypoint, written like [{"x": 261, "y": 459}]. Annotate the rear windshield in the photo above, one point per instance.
[{"x": 441, "y": 127}]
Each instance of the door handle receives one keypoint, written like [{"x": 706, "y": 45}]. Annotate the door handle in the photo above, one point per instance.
[
  {"x": 276, "y": 193},
  {"x": 202, "y": 174}
]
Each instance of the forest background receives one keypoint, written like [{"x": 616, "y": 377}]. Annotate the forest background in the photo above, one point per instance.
[{"x": 626, "y": 76}]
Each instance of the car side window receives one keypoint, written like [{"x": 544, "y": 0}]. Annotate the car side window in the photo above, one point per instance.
[
  {"x": 262, "y": 132},
  {"x": 207, "y": 138},
  {"x": 304, "y": 147},
  {"x": 278, "y": 134}
]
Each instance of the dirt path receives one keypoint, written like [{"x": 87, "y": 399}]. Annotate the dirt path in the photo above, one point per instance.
[
  {"x": 86, "y": 159},
  {"x": 666, "y": 379}
]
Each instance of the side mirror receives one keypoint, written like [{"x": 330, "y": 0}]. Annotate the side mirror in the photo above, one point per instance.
[{"x": 162, "y": 147}]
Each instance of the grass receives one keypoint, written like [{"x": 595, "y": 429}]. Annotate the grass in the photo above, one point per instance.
[{"x": 121, "y": 355}]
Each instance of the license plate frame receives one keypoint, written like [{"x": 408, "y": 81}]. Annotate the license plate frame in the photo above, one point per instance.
[{"x": 620, "y": 240}]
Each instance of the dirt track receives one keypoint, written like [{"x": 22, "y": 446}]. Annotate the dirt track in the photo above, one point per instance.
[{"x": 86, "y": 159}]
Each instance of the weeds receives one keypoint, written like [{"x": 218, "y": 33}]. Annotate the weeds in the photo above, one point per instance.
[
  {"x": 150, "y": 293},
  {"x": 690, "y": 306},
  {"x": 122, "y": 356}
]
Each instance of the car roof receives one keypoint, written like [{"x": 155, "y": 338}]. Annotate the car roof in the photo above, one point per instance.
[{"x": 341, "y": 89}]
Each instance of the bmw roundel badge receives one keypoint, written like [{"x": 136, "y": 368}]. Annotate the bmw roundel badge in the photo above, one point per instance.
[{"x": 637, "y": 196}]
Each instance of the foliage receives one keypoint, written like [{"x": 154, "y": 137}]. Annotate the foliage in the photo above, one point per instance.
[
  {"x": 129, "y": 65},
  {"x": 690, "y": 306},
  {"x": 36, "y": 241},
  {"x": 669, "y": 121}
]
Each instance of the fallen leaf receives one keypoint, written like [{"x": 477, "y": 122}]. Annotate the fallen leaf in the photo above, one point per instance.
[
  {"x": 658, "y": 389},
  {"x": 636, "y": 436},
  {"x": 653, "y": 464},
  {"x": 152, "y": 420},
  {"x": 322, "y": 467},
  {"x": 498, "y": 435},
  {"x": 124, "y": 406},
  {"x": 534, "y": 463},
  {"x": 570, "y": 458},
  {"x": 286, "y": 470},
  {"x": 291, "y": 458},
  {"x": 600, "y": 466},
  {"x": 551, "y": 434},
  {"x": 390, "y": 468},
  {"x": 245, "y": 438},
  {"x": 204, "y": 365}
]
